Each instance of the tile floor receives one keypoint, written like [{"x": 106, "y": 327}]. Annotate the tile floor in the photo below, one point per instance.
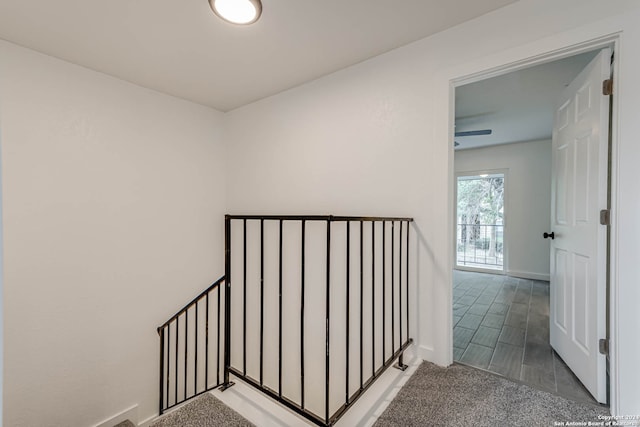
[{"x": 501, "y": 324}]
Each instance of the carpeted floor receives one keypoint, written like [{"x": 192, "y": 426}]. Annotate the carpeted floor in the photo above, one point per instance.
[
  {"x": 204, "y": 411},
  {"x": 464, "y": 396}
]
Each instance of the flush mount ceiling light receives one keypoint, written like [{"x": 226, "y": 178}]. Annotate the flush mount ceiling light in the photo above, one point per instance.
[{"x": 241, "y": 12}]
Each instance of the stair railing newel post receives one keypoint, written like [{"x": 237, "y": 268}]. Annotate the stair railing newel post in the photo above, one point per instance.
[
  {"x": 328, "y": 322},
  {"x": 401, "y": 365},
  {"x": 161, "y": 333},
  {"x": 227, "y": 303}
]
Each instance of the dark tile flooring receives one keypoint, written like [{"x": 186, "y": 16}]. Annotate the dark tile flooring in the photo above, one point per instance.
[{"x": 501, "y": 324}]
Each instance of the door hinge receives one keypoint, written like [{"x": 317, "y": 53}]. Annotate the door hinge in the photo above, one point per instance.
[
  {"x": 607, "y": 87},
  {"x": 605, "y": 217},
  {"x": 603, "y": 346}
]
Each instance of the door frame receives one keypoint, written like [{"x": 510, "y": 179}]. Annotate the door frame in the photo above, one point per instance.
[
  {"x": 505, "y": 246},
  {"x": 612, "y": 41}
]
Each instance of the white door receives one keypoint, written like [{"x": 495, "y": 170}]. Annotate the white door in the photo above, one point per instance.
[{"x": 578, "y": 251}]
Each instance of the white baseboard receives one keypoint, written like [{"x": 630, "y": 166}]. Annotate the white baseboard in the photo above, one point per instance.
[
  {"x": 257, "y": 408},
  {"x": 478, "y": 269},
  {"x": 528, "y": 275},
  {"x": 430, "y": 355},
  {"x": 265, "y": 412},
  {"x": 512, "y": 273},
  {"x": 130, "y": 414},
  {"x": 148, "y": 421},
  {"x": 366, "y": 411}
]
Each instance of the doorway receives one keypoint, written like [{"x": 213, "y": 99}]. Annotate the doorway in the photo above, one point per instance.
[{"x": 501, "y": 322}]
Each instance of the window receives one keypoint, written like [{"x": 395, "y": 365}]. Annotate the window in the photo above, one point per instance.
[{"x": 480, "y": 221}]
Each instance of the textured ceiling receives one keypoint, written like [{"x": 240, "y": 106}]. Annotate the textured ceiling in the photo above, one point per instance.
[{"x": 181, "y": 48}]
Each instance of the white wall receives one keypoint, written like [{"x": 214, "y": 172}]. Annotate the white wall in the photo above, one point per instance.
[
  {"x": 111, "y": 194},
  {"x": 113, "y": 200},
  {"x": 375, "y": 139},
  {"x": 527, "y": 201},
  {"x": 1, "y": 290}
]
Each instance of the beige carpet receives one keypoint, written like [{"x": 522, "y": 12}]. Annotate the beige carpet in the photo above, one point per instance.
[
  {"x": 463, "y": 396},
  {"x": 203, "y": 411}
]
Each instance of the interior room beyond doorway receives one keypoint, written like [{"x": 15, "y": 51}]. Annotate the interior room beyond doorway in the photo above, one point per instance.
[{"x": 501, "y": 324}]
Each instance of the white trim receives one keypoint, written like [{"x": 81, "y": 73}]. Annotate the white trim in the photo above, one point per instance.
[
  {"x": 429, "y": 353},
  {"x": 1, "y": 293},
  {"x": 263, "y": 411},
  {"x": 130, "y": 414},
  {"x": 266, "y": 412},
  {"x": 512, "y": 273},
  {"x": 479, "y": 270},
  {"x": 148, "y": 421},
  {"x": 614, "y": 125},
  {"x": 528, "y": 275},
  {"x": 554, "y": 55},
  {"x": 598, "y": 42}
]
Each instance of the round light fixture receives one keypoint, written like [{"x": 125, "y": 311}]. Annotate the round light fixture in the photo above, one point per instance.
[{"x": 241, "y": 12}]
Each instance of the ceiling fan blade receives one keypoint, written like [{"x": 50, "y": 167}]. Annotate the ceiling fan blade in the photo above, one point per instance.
[{"x": 474, "y": 132}]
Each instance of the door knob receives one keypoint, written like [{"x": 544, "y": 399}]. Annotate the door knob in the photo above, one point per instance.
[{"x": 552, "y": 235}]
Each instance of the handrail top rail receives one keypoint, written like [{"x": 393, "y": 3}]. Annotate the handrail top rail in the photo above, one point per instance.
[
  {"x": 190, "y": 304},
  {"x": 331, "y": 218}
]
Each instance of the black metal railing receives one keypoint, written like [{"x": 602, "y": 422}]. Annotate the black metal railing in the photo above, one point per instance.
[
  {"x": 191, "y": 348},
  {"x": 315, "y": 300},
  {"x": 480, "y": 245}
]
